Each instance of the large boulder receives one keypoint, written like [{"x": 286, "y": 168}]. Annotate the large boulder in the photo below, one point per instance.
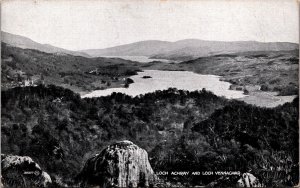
[
  {"x": 22, "y": 171},
  {"x": 122, "y": 164}
]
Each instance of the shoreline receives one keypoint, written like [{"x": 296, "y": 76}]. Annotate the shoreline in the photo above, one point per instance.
[{"x": 258, "y": 98}]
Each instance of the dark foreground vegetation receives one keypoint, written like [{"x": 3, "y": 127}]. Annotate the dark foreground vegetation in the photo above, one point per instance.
[{"x": 181, "y": 130}]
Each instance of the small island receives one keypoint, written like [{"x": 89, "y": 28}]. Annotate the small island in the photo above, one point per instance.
[
  {"x": 127, "y": 82},
  {"x": 146, "y": 77}
]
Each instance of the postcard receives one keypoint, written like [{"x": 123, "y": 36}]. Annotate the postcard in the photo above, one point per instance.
[{"x": 151, "y": 93}]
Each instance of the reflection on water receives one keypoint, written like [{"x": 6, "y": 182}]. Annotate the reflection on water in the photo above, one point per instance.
[{"x": 161, "y": 80}]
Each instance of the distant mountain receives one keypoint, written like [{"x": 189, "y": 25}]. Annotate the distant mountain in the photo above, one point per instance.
[
  {"x": 188, "y": 49},
  {"x": 26, "y": 43},
  {"x": 143, "y": 48}
]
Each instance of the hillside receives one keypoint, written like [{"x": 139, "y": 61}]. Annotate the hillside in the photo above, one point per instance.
[
  {"x": 267, "y": 70},
  {"x": 180, "y": 130},
  {"x": 188, "y": 49},
  {"x": 26, "y": 43},
  {"x": 21, "y": 67}
]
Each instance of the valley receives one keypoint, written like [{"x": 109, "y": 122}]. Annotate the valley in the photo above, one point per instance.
[
  {"x": 259, "y": 75},
  {"x": 239, "y": 111},
  {"x": 149, "y": 94}
]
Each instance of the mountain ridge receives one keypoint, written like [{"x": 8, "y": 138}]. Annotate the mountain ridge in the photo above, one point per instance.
[
  {"x": 187, "y": 49},
  {"x": 27, "y": 43},
  {"x": 182, "y": 50}
]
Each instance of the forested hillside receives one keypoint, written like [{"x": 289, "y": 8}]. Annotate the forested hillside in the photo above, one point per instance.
[
  {"x": 180, "y": 130},
  {"x": 74, "y": 72}
]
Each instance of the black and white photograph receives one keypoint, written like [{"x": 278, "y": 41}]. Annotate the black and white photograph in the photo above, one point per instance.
[{"x": 149, "y": 93}]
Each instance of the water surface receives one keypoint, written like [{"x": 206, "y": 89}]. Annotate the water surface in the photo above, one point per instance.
[
  {"x": 141, "y": 59},
  {"x": 162, "y": 80}
]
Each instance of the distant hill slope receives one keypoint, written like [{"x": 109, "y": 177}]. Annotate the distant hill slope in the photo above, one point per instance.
[
  {"x": 271, "y": 70},
  {"x": 188, "y": 49},
  {"x": 143, "y": 48},
  {"x": 26, "y": 43},
  {"x": 75, "y": 72}
]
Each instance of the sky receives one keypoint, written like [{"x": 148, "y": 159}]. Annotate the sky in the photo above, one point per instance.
[{"x": 95, "y": 24}]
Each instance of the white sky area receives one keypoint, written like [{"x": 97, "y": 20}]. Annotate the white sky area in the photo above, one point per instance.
[{"x": 81, "y": 24}]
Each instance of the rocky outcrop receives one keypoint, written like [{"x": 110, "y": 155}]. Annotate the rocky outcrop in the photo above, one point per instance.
[
  {"x": 248, "y": 180},
  {"x": 22, "y": 171},
  {"x": 122, "y": 164}
]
